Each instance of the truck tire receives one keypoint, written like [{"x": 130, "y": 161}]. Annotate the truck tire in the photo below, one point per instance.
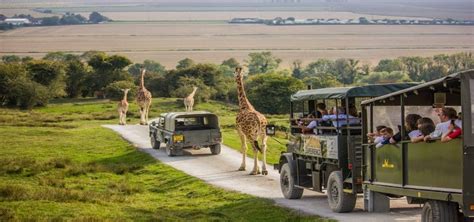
[
  {"x": 169, "y": 151},
  {"x": 439, "y": 211},
  {"x": 215, "y": 149},
  {"x": 339, "y": 201},
  {"x": 287, "y": 184},
  {"x": 154, "y": 143}
]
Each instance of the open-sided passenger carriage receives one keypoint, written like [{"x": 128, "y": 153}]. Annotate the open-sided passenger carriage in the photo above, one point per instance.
[
  {"x": 440, "y": 175},
  {"x": 331, "y": 160}
]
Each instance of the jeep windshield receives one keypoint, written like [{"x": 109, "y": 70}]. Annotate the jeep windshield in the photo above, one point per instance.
[{"x": 193, "y": 123}]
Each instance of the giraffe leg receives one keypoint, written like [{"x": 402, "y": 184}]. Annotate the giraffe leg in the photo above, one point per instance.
[
  {"x": 243, "y": 147},
  {"x": 147, "y": 110},
  {"x": 142, "y": 113},
  {"x": 124, "y": 116},
  {"x": 120, "y": 118},
  {"x": 255, "y": 169},
  {"x": 264, "y": 154}
]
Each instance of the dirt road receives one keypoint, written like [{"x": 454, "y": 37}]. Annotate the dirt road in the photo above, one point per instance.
[{"x": 221, "y": 171}]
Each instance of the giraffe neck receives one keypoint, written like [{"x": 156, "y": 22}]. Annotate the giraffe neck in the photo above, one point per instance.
[
  {"x": 125, "y": 96},
  {"x": 244, "y": 103},
  {"x": 192, "y": 93},
  {"x": 142, "y": 81}
]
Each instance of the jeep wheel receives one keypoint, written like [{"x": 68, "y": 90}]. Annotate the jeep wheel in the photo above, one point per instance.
[
  {"x": 339, "y": 201},
  {"x": 169, "y": 151},
  {"x": 154, "y": 143},
  {"x": 215, "y": 149},
  {"x": 439, "y": 211},
  {"x": 287, "y": 184}
]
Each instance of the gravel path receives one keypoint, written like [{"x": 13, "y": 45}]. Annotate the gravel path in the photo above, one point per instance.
[{"x": 221, "y": 170}]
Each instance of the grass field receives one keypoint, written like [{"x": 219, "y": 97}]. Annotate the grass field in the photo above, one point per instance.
[
  {"x": 58, "y": 163},
  {"x": 170, "y": 42}
]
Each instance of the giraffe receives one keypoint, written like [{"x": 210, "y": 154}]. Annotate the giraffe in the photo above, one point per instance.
[
  {"x": 189, "y": 101},
  {"x": 143, "y": 100},
  {"x": 122, "y": 108},
  {"x": 251, "y": 126}
]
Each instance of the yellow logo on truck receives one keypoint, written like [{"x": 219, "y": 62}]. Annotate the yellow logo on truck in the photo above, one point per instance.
[{"x": 387, "y": 164}]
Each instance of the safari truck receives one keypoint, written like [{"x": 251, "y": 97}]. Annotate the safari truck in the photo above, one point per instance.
[
  {"x": 183, "y": 130},
  {"x": 438, "y": 174},
  {"x": 330, "y": 157}
]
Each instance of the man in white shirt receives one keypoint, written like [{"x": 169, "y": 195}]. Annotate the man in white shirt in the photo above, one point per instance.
[
  {"x": 446, "y": 115},
  {"x": 340, "y": 119}
]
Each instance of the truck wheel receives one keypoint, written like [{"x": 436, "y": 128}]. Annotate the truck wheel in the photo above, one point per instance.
[
  {"x": 339, "y": 201},
  {"x": 154, "y": 143},
  {"x": 439, "y": 211},
  {"x": 215, "y": 149},
  {"x": 287, "y": 184},
  {"x": 169, "y": 152}
]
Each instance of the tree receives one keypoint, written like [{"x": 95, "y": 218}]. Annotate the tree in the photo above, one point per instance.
[
  {"x": 297, "y": 69},
  {"x": 185, "y": 86},
  {"x": 50, "y": 20},
  {"x": 185, "y": 63},
  {"x": 346, "y": 70},
  {"x": 322, "y": 81},
  {"x": 60, "y": 56},
  {"x": 385, "y": 77},
  {"x": 76, "y": 75},
  {"x": 262, "y": 62},
  {"x": 113, "y": 90},
  {"x": 11, "y": 59},
  {"x": 106, "y": 70},
  {"x": 150, "y": 66},
  {"x": 320, "y": 67},
  {"x": 49, "y": 74},
  {"x": 231, "y": 63},
  {"x": 279, "y": 88},
  {"x": 414, "y": 66},
  {"x": 389, "y": 65},
  {"x": 96, "y": 17}
]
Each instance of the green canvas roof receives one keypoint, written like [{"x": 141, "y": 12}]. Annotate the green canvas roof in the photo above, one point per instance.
[
  {"x": 354, "y": 91},
  {"x": 419, "y": 86}
]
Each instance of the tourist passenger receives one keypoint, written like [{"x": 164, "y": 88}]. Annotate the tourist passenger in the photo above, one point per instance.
[
  {"x": 410, "y": 128},
  {"x": 446, "y": 115},
  {"x": 425, "y": 127},
  {"x": 372, "y": 136},
  {"x": 387, "y": 133},
  {"x": 339, "y": 118},
  {"x": 321, "y": 110},
  {"x": 453, "y": 132}
]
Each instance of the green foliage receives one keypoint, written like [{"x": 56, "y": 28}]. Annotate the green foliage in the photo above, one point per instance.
[
  {"x": 185, "y": 63},
  {"x": 11, "y": 58},
  {"x": 185, "y": 87},
  {"x": 262, "y": 62},
  {"x": 322, "y": 81},
  {"x": 50, "y": 21},
  {"x": 150, "y": 66},
  {"x": 297, "y": 69},
  {"x": 76, "y": 75},
  {"x": 389, "y": 65},
  {"x": 270, "y": 93},
  {"x": 385, "y": 77},
  {"x": 96, "y": 17},
  {"x": 231, "y": 63},
  {"x": 114, "y": 90},
  {"x": 107, "y": 69},
  {"x": 49, "y": 74}
]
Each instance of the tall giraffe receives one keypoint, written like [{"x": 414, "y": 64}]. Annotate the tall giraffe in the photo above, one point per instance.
[
  {"x": 189, "y": 100},
  {"x": 251, "y": 126},
  {"x": 122, "y": 108},
  {"x": 143, "y": 100}
]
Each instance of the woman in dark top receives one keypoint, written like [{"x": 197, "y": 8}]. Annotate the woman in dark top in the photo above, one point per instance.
[{"x": 410, "y": 125}]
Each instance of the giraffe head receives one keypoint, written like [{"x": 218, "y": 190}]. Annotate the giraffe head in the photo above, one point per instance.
[
  {"x": 238, "y": 72},
  {"x": 142, "y": 71},
  {"x": 195, "y": 88},
  {"x": 125, "y": 90}
]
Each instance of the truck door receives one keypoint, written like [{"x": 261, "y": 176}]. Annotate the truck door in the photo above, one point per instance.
[{"x": 467, "y": 94}]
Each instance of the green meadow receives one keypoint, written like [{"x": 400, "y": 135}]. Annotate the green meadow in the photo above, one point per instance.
[{"x": 58, "y": 163}]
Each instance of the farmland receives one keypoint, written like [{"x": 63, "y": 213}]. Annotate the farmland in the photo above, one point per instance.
[{"x": 171, "y": 41}]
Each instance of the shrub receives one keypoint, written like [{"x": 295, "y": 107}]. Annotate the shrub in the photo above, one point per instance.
[{"x": 113, "y": 90}]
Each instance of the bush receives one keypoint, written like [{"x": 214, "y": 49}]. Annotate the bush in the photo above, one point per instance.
[{"x": 113, "y": 90}]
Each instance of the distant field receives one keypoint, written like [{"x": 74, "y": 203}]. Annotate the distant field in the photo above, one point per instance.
[{"x": 207, "y": 42}]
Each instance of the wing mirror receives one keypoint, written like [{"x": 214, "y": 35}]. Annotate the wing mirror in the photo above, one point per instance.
[{"x": 270, "y": 130}]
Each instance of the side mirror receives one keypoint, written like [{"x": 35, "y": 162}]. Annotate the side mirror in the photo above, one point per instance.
[{"x": 270, "y": 130}]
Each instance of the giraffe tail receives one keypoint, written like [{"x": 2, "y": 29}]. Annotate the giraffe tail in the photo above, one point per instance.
[{"x": 255, "y": 142}]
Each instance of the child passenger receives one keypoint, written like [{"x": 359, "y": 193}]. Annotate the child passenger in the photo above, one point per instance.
[
  {"x": 372, "y": 136},
  {"x": 387, "y": 133},
  {"x": 425, "y": 127}
]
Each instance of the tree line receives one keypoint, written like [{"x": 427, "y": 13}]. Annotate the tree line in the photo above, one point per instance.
[{"x": 26, "y": 82}]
